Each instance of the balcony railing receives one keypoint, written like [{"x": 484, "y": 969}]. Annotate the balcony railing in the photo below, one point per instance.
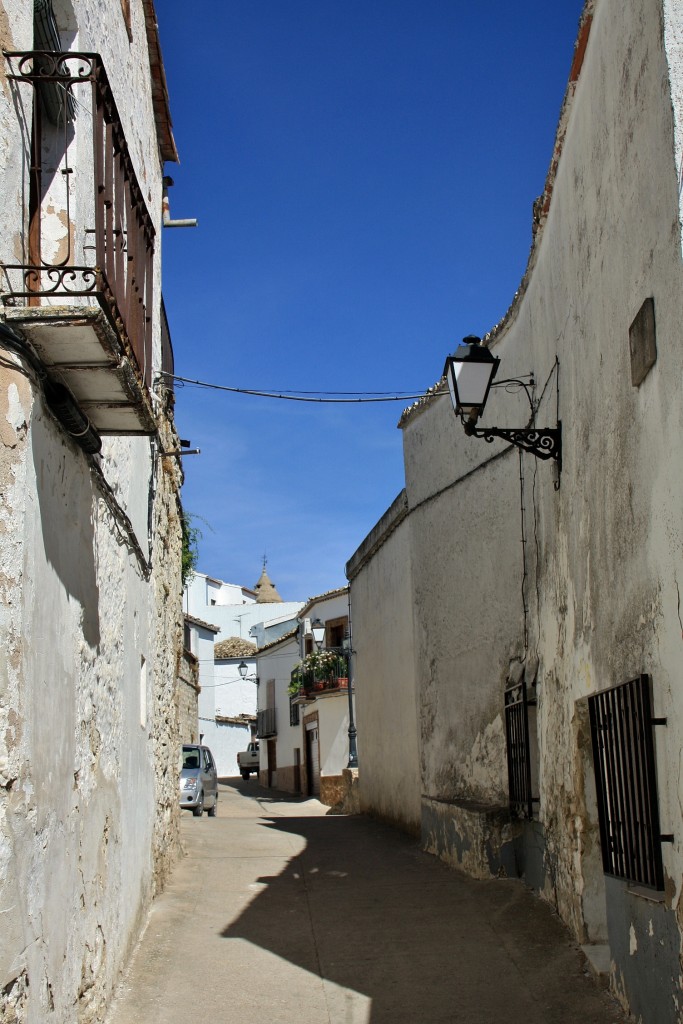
[
  {"x": 90, "y": 234},
  {"x": 319, "y": 674}
]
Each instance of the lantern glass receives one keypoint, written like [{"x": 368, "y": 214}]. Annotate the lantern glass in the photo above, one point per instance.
[
  {"x": 318, "y": 631},
  {"x": 469, "y": 373}
]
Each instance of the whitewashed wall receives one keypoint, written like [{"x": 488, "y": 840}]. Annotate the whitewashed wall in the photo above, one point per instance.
[
  {"x": 603, "y": 554},
  {"x": 232, "y": 697},
  {"x": 88, "y": 717},
  {"x": 384, "y": 672},
  {"x": 276, "y": 662}
]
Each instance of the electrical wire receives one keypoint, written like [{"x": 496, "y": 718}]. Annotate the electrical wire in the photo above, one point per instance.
[{"x": 320, "y": 397}]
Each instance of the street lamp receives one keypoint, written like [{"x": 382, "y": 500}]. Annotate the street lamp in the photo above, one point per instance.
[
  {"x": 470, "y": 372},
  {"x": 243, "y": 669},
  {"x": 353, "y": 749},
  {"x": 318, "y": 631}
]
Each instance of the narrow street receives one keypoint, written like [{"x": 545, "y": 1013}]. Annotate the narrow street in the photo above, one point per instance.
[{"x": 281, "y": 912}]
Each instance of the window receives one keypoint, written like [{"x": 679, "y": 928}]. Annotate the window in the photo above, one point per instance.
[
  {"x": 625, "y": 780},
  {"x": 336, "y": 631},
  {"x": 293, "y": 712},
  {"x": 522, "y": 767}
]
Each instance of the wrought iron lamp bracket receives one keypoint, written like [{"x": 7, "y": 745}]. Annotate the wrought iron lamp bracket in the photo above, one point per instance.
[{"x": 544, "y": 444}]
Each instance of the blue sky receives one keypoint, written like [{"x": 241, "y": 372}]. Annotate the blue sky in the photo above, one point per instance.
[{"x": 363, "y": 172}]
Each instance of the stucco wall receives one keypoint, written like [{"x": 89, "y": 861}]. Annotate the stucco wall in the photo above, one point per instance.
[
  {"x": 389, "y": 782},
  {"x": 276, "y": 663},
  {"x": 90, "y": 620},
  {"x": 603, "y": 553}
]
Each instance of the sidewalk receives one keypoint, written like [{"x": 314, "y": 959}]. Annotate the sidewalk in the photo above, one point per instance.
[{"x": 283, "y": 914}]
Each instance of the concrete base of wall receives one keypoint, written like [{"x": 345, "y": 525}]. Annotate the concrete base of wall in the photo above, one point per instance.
[
  {"x": 478, "y": 839},
  {"x": 644, "y": 943}
]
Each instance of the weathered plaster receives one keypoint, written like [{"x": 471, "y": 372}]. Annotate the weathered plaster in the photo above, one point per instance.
[
  {"x": 90, "y": 617},
  {"x": 601, "y": 603}
]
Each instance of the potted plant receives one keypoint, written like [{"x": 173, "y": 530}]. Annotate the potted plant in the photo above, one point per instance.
[{"x": 296, "y": 682}]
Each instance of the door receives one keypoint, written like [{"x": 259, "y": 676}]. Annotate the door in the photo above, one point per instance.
[
  {"x": 313, "y": 759},
  {"x": 272, "y": 762},
  {"x": 297, "y": 770}
]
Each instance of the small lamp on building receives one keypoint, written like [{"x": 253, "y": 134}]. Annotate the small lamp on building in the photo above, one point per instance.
[
  {"x": 470, "y": 372},
  {"x": 243, "y": 670},
  {"x": 318, "y": 631}
]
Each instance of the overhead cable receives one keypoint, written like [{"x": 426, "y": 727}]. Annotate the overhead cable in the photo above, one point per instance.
[{"x": 321, "y": 397}]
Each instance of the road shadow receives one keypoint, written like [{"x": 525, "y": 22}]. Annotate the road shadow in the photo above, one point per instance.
[{"x": 364, "y": 908}]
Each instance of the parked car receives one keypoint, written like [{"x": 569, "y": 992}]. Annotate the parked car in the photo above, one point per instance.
[
  {"x": 248, "y": 760},
  {"x": 198, "y": 781}
]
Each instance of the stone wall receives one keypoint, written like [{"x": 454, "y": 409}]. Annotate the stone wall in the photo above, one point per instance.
[
  {"x": 188, "y": 689},
  {"x": 90, "y": 622}
]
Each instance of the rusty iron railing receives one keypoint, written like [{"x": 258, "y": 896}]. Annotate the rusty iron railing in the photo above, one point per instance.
[
  {"x": 517, "y": 704},
  {"x": 626, "y": 782},
  {"x": 119, "y": 274}
]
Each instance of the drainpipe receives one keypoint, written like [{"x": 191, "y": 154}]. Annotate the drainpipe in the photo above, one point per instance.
[{"x": 166, "y": 213}]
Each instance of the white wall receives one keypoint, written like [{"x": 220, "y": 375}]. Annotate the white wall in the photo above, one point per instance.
[
  {"x": 276, "y": 663},
  {"x": 384, "y": 671},
  {"x": 592, "y": 599},
  {"x": 88, "y": 722},
  {"x": 232, "y": 696},
  {"x": 234, "y": 617}
]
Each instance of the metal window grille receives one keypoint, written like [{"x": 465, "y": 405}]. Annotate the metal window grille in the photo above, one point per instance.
[
  {"x": 518, "y": 750},
  {"x": 293, "y": 712},
  {"x": 625, "y": 778},
  {"x": 265, "y": 723}
]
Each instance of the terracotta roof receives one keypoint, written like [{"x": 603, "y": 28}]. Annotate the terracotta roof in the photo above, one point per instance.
[
  {"x": 235, "y": 719},
  {"x": 194, "y": 621},
  {"x": 265, "y": 590},
  {"x": 234, "y": 647}
]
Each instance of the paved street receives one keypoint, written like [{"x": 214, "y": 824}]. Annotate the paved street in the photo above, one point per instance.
[{"x": 281, "y": 912}]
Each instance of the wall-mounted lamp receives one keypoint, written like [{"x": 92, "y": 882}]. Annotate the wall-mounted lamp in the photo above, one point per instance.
[
  {"x": 243, "y": 669},
  {"x": 318, "y": 631},
  {"x": 470, "y": 374}
]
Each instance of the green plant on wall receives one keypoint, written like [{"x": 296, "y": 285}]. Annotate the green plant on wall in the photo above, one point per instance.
[
  {"x": 296, "y": 681},
  {"x": 191, "y": 537}
]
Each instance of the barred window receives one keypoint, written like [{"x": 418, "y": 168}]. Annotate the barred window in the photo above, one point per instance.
[
  {"x": 521, "y": 753},
  {"x": 626, "y": 783}
]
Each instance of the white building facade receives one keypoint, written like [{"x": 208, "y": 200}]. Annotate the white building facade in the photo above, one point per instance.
[
  {"x": 240, "y": 620},
  {"x": 90, "y": 541},
  {"x": 304, "y": 703}
]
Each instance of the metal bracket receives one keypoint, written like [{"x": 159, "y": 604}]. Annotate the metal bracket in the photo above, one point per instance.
[{"x": 544, "y": 444}]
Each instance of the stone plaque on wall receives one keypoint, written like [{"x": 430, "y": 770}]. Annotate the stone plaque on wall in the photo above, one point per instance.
[{"x": 643, "y": 343}]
